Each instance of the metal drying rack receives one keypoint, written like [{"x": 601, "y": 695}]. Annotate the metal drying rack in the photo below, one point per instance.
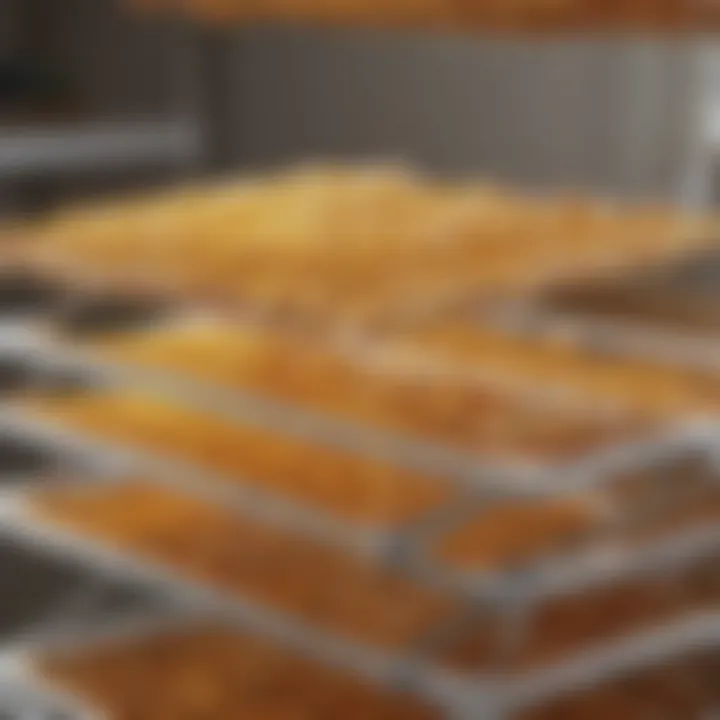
[
  {"x": 535, "y": 316},
  {"x": 623, "y": 339},
  {"x": 462, "y": 696}
]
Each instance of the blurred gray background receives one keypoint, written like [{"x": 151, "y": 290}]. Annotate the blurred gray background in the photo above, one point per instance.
[{"x": 124, "y": 102}]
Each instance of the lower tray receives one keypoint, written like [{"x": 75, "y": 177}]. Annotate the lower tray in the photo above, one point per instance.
[
  {"x": 443, "y": 685},
  {"x": 668, "y": 682},
  {"x": 46, "y": 595},
  {"x": 208, "y": 668},
  {"x": 48, "y": 599}
]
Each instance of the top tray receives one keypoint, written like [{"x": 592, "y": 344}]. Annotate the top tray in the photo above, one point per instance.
[{"x": 332, "y": 248}]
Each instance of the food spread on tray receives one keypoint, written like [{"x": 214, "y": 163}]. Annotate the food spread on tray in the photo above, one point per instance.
[
  {"x": 505, "y": 535},
  {"x": 383, "y": 385},
  {"x": 643, "y": 385},
  {"x": 355, "y": 488},
  {"x": 240, "y": 555},
  {"x": 631, "y": 508},
  {"x": 389, "y": 265},
  {"x": 557, "y": 628},
  {"x": 325, "y": 244},
  {"x": 323, "y": 585},
  {"x": 217, "y": 673}
]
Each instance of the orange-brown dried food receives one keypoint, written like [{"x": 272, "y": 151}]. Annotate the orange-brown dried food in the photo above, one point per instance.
[
  {"x": 355, "y": 488},
  {"x": 674, "y": 691},
  {"x": 496, "y": 425},
  {"x": 555, "y": 627},
  {"x": 648, "y": 388},
  {"x": 634, "y": 510},
  {"x": 393, "y": 388},
  {"x": 506, "y": 535},
  {"x": 320, "y": 247},
  {"x": 218, "y": 674},
  {"x": 321, "y": 584}
]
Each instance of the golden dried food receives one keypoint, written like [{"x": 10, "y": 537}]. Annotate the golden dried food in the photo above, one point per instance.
[
  {"x": 385, "y": 386},
  {"x": 644, "y": 386},
  {"x": 320, "y": 584},
  {"x": 632, "y": 510},
  {"x": 355, "y": 488},
  {"x": 324, "y": 244},
  {"x": 506, "y": 535},
  {"x": 216, "y": 673}
]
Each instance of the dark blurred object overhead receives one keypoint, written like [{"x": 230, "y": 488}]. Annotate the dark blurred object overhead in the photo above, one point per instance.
[
  {"x": 22, "y": 83},
  {"x": 463, "y": 15},
  {"x": 26, "y": 91}
]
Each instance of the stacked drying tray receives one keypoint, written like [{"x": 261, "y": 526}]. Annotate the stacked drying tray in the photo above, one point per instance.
[
  {"x": 647, "y": 337},
  {"x": 667, "y": 311},
  {"x": 604, "y": 370},
  {"x": 54, "y": 597},
  {"x": 348, "y": 246},
  {"x": 576, "y": 556},
  {"x": 486, "y": 545},
  {"x": 206, "y": 675}
]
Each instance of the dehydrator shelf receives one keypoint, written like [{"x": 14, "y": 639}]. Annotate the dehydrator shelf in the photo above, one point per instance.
[
  {"x": 406, "y": 549},
  {"x": 50, "y": 599},
  {"x": 622, "y": 338},
  {"x": 309, "y": 425},
  {"x": 587, "y": 570},
  {"x": 407, "y": 546},
  {"x": 462, "y": 697},
  {"x": 674, "y": 550},
  {"x": 25, "y": 695},
  {"x": 458, "y": 695},
  {"x": 373, "y": 664},
  {"x": 518, "y": 476},
  {"x": 665, "y": 313},
  {"x": 695, "y": 633},
  {"x": 105, "y": 460}
]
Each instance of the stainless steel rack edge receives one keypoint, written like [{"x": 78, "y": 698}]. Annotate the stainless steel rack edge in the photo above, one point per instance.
[
  {"x": 450, "y": 689},
  {"x": 494, "y": 698},
  {"x": 706, "y": 433},
  {"x": 457, "y": 467},
  {"x": 375, "y": 665},
  {"x": 103, "y": 461},
  {"x": 632, "y": 340}
]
